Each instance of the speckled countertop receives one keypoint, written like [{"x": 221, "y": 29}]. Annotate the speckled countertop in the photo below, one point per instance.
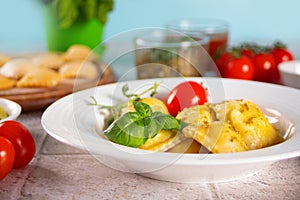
[{"x": 59, "y": 171}]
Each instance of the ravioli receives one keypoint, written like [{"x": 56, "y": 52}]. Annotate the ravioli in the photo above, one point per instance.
[
  {"x": 6, "y": 83},
  {"x": 78, "y": 69},
  {"x": 79, "y": 52},
  {"x": 40, "y": 77},
  {"x": 17, "y": 67},
  {"x": 49, "y": 60},
  {"x": 230, "y": 126},
  {"x": 4, "y": 59},
  {"x": 248, "y": 120},
  {"x": 48, "y": 69}
]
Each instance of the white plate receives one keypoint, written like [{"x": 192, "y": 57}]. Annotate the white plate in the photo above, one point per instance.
[
  {"x": 12, "y": 109},
  {"x": 72, "y": 121}
]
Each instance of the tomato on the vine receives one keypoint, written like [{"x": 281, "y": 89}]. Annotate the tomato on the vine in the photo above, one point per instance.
[
  {"x": 264, "y": 64},
  {"x": 239, "y": 68},
  {"x": 185, "y": 95},
  {"x": 248, "y": 53},
  {"x": 223, "y": 60},
  {"x": 21, "y": 140},
  {"x": 248, "y": 49},
  {"x": 7, "y": 157},
  {"x": 280, "y": 55}
]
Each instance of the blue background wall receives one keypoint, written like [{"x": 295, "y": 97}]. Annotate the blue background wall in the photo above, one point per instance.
[{"x": 21, "y": 23}]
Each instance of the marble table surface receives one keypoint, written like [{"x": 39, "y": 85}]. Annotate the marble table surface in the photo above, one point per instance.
[{"x": 59, "y": 171}]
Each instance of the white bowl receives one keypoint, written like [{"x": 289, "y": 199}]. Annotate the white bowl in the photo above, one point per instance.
[
  {"x": 12, "y": 109},
  {"x": 290, "y": 73},
  {"x": 73, "y": 121}
]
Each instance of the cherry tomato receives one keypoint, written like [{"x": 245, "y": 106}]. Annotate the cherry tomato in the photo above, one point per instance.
[
  {"x": 280, "y": 55},
  {"x": 7, "y": 157},
  {"x": 239, "y": 68},
  {"x": 264, "y": 64},
  {"x": 248, "y": 53},
  {"x": 22, "y": 141},
  {"x": 248, "y": 49},
  {"x": 222, "y": 61},
  {"x": 185, "y": 95}
]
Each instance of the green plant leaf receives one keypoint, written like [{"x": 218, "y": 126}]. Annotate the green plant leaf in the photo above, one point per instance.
[
  {"x": 66, "y": 12},
  {"x": 151, "y": 128},
  {"x": 128, "y": 130},
  {"x": 144, "y": 110},
  {"x": 134, "y": 128},
  {"x": 104, "y": 7},
  {"x": 165, "y": 121},
  {"x": 90, "y": 9}
]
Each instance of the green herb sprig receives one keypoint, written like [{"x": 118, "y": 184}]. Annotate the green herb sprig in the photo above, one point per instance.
[{"x": 116, "y": 109}]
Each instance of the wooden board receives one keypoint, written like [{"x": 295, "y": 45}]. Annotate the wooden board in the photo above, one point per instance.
[{"x": 39, "y": 98}]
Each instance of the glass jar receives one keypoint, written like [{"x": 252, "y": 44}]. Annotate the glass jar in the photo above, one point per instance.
[
  {"x": 165, "y": 53},
  {"x": 216, "y": 29}
]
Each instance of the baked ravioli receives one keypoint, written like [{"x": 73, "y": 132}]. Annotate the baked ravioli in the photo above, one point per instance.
[
  {"x": 78, "y": 69},
  {"x": 79, "y": 52},
  {"x": 49, "y": 60},
  {"x": 48, "y": 69},
  {"x": 6, "y": 83},
  {"x": 3, "y": 59},
  {"x": 40, "y": 77},
  {"x": 16, "y": 68}
]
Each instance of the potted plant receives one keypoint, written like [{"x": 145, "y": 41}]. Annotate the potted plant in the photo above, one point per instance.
[{"x": 69, "y": 22}]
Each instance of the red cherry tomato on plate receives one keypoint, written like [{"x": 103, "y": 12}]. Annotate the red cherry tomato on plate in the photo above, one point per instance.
[
  {"x": 239, "y": 68},
  {"x": 7, "y": 157},
  {"x": 185, "y": 95},
  {"x": 22, "y": 141},
  {"x": 264, "y": 64}
]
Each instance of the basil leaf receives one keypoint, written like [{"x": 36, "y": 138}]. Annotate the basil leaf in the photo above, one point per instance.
[
  {"x": 134, "y": 128},
  {"x": 165, "y": 121},
  {"x": 128, "y": 130},
  {"x": 142, "y": 109},
  {"x": 151, "y": 127}
]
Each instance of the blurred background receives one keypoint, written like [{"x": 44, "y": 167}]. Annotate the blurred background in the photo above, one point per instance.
[{"x": 22, "y": 27}]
